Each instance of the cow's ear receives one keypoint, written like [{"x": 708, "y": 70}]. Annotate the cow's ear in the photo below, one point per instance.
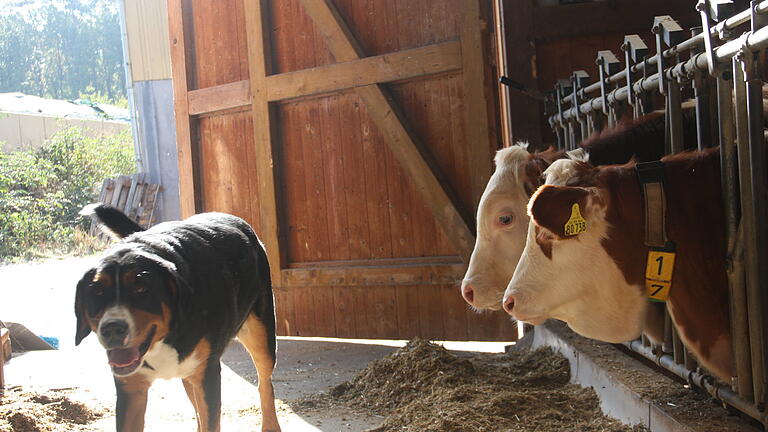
[
  {"x": 533, "y": 170},
  {"x": 561, "y": 210}
]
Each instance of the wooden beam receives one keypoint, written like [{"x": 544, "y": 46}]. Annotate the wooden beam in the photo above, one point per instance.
[
  {"x": 406, "y": 64},
  {"x": 187, "y": 191},
  {"x": 405, "y": 146},
  {"x": 503, "y": 70},
  {"x": 379, "y": 262},
  {"x": 475, "y": 105},
  {"x": 258, "y": 68},
  {"x": 412, "y": 63},
  {"x": 429, "y": 274},
  {"x": 220, "y": 97}
]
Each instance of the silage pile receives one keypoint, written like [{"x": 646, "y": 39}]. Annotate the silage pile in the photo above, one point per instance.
[
  {"x": 423, "y": 387},
  {"x": 25, "y": 411}
]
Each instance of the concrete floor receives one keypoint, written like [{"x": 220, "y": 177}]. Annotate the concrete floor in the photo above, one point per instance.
[{"x": 41, "y": 297}]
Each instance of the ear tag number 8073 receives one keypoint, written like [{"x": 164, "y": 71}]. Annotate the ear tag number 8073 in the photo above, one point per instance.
[{"x": 576, "y": 224}]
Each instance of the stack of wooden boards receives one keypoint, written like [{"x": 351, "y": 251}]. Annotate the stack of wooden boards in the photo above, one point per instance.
[{"x": 133, "y": 195}]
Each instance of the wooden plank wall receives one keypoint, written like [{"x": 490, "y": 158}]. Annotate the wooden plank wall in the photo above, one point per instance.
[
  {"x": 360, "y": 252},
  {"x": 545, "y": 44}
]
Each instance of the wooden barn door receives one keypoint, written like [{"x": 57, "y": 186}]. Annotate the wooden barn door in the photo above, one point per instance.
[{"x": 357, "y": 137}]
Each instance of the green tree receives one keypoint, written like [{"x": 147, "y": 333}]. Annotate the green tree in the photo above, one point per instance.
[{"x": 62, "y": 49}]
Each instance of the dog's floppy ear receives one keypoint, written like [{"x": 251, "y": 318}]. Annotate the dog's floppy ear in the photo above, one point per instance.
[
  {"x": 181, "y": 290},
  {"x": 83, "y": 329},
  {"x": 111, "y": 220}
]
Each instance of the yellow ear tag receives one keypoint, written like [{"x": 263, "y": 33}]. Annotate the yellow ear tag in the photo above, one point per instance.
[
  {"x": 576, "y": 224},
  {"x": 658, "y": 275}
]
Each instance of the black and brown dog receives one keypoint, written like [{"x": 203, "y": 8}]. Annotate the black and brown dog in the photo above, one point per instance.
[{"x": 166, "y": 302}]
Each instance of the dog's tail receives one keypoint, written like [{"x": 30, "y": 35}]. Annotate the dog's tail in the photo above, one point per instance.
[{"x": 111, "y": 220}]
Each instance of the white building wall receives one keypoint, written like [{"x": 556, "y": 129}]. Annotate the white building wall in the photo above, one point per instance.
[{"x": 25, "y": 131}]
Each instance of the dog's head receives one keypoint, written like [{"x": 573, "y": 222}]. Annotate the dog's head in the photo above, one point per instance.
[{"x": 128, "y": 299}]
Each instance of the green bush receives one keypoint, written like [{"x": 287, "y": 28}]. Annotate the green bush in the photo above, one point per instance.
[{"x": 42, "y": 191}]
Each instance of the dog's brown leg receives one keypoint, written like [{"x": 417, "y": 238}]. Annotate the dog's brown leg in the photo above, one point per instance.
[
  {"x": 204, "y": 389},
  {"x": 253, "y": 336},
  {"x": 190, "y": 389},
  {"x": 131, "y": 403}
]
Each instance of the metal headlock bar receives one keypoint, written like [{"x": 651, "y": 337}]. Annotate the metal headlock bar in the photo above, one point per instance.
[
  {"x": 725, "y": 74},
  {"x": 753, "y": 41}
]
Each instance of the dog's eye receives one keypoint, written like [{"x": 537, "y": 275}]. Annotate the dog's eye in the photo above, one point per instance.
[
  {"x": 97, "y": 290},
  {"x": 140, "y": 289}
]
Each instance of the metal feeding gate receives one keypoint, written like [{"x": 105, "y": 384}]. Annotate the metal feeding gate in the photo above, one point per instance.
[{"x": 722, "y": 63}]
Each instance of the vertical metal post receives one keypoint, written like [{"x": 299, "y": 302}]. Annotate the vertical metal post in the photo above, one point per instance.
[
  {"x": 560, "y": 135},
  {"x": 742, "y": 382},
  {"x": 669, "y": 33},
  {"x": 579, "y": 80},
  {"x": 590, "y": 124},
  {"x": 677, "y": 347},
  {"x": 675, "y": 116},
  {"x": 690, "y": 362},
  {"x": 644, "y": 100},
  {"x": 607, "y": 65},
  {"x": 751, "y": 155},
  {"x": 757, "y": 156},
  {"x": 635, "y": 50},
  {"x": 701, "y": 96},
  {"x": 562, "y": 89},
  {"x": 668, "y": 329}
]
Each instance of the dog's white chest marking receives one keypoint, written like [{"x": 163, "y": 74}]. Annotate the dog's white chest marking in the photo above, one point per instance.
[{"x": 164, "y": 359}]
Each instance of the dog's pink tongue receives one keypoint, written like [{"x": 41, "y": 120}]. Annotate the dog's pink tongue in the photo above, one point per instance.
[{"x": 122, "y": 356}]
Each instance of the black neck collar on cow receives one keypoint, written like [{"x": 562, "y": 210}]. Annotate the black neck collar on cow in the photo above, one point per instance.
[{"x": 661, "y": 255}]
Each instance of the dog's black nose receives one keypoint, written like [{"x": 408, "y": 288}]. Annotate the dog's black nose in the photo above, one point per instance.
[{"x": 113, "y": 332}]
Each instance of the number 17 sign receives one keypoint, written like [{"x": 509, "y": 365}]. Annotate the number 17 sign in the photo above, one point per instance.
[{"x": 658, "y": 275}]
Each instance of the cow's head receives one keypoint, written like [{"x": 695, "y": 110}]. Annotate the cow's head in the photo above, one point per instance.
[
  {"x": 502, "y": 223},
  {"x": 567, "y": 274}
]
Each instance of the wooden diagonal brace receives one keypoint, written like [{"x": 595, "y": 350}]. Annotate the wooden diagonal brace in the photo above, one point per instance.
[{"x": 409, "y": 151}]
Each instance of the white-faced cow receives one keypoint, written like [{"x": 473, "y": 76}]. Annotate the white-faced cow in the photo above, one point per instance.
[
  {"x": 502, "y": 221},
  {"x": 595, "y": 280}
]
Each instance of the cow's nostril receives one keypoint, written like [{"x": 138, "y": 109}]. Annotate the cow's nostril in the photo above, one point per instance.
[
  {"x": 468, "y": 293},
  {"x": 509, "y": 304}
]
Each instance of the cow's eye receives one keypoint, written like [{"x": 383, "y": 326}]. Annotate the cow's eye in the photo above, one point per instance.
[
  {"x": 505, "y": 220},
  {"x": 140, "y": 289},
  {"x": 97, "y": 290}
]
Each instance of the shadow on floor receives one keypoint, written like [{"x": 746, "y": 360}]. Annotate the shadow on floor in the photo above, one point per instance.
[{"x": 309, "y": 366}]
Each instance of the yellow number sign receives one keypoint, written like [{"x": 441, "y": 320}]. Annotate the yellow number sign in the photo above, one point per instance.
[
  {"x": 576, "y": 224},
  {"x": 658, "y": 275}
]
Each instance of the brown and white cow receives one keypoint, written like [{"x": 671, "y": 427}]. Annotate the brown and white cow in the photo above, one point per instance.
[
  {"x": 502, "y": 221},
  {"x": 594, "y": 281}
]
